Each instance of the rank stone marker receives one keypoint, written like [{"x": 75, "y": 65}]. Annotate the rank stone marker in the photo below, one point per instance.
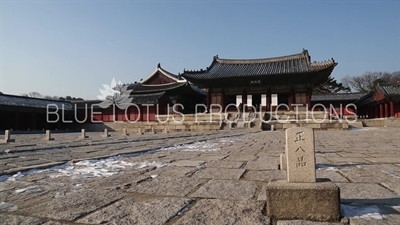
[
  {"x": 105, "y": 133},
  {"x": 48, "y": 136},
  {"x": 7, "y": 138},
  {"x": 300, "y": 197},
  {"x": 300, "y": 155},
  {"x": 83, "y": 134},
  {"x": 282, "y": 162}
]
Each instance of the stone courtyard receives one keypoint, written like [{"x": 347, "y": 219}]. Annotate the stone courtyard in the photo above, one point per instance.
[{"x": 189, "y": 178}]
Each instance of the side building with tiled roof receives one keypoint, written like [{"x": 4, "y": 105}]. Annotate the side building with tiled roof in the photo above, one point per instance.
[
  {"x": 266, "y": 82},
  {"x": 20, "y": 113},
  {"x": 153, "y": 95},
  {"x": 384, "y": 102}
]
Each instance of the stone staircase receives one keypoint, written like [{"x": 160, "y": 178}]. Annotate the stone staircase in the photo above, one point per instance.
[{"x": 225, "y": 121}]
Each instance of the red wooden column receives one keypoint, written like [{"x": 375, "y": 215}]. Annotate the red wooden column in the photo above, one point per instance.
[
  {"x": 292, "y": 98},
  {"x": 209, "y": 99},
  {"x": 386, "y": 109},
  {"x": 223, "y": 99},
  {"x": 381, "y": 115},
  {"x": 268, "y": 107},
  {"x": 308, "y": 98},
  {"x": 244, "y": 98},
  {"x": 391, "y": 108}
]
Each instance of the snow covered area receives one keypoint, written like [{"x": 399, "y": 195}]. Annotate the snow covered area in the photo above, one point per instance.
[
  {"x": 392, "y": 174},
  {"x": 115, "y": 164},
  {"x": 203, "y": 146},
  {"x": 361, "y": 128},
  {"x": 326, "y": 167},
  {"x": 5, "y": 206},
  {"x": 367, "y": 212}
]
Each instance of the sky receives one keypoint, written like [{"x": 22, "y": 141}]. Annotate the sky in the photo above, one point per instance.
[{"x": 72, "y": 48}]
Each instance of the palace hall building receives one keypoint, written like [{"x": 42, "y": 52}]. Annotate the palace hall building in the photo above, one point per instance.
[{"x": 264, "y": 83}]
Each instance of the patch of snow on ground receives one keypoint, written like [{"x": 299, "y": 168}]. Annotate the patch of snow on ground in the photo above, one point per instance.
[
  {"x": 360, "y": 128},
  {"x": 391, "y": 173},
  {"x": 367, "y": 212},
  {"x": 326, "y": 167},
  {"x": 114, "y": 165},
  {"x": 5, "y": 206},
  {"x": 28, "y": 189}
]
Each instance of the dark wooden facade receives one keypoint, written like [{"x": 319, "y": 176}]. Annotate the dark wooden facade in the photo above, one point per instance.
[
  {"x": 21, "y": 113},
  {"x": 265, "y": 82}
]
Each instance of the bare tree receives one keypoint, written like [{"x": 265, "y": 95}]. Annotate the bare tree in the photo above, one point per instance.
[
  {"x": 368, "y": 81},
  {"x": 33, "y": 94}
]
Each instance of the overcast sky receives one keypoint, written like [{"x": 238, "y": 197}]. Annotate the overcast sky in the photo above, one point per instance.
[{"x": 72, "y": 48}]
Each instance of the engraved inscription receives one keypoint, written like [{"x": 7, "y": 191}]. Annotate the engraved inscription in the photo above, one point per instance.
[
  {"x": 300, "y": 162},
  {"x": 299, "y": 136},
  {"x": 300, "y": 149}
]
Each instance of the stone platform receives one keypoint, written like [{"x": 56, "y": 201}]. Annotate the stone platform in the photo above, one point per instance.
[{"x": 189, "y": 177}]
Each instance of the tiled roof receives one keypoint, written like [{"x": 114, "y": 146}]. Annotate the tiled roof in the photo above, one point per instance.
[
  {"x": 366, "y": 99},
  {"x": 337, "y": 97},
  {"x": 142, "y": 88},
  {"x": 166, "y": 73},
  {"x": 227, "y": 68},
  {"x": 21, "y": 101},
  {"x": 389, "y": 89},
  {"x": 147, "y": 98}
]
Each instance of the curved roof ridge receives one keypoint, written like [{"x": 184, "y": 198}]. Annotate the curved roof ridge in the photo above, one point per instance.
[
  {"x": 166, "y": 73},
  {"x": 303, "y": 54}
]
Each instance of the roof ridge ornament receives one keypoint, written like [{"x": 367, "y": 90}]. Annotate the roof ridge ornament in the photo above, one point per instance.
[{"x": 159, "y": 65}]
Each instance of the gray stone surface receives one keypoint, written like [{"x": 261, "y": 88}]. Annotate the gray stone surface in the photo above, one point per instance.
[
  {"x": 225, "y": 212},
  {"x": 226, "y": 189},
  {"x": 282, "y": 162},
  {"x": 19, "y": 220},
  {"x": 143, "y": 211},
  {"x": 367, "y": 193},
  {"x": 318, "y": 201},
  {"x": 300, "y": 155},
  {"x": 304, "y": 222},
  {"x": 190, "y": 163},
  {"x": 75, "y": 205},
  {"x": 167, "y": 186},
  {"x": 269, "y": 175},
  {"x": 362, "y": 162},
  {"x": 220, "y": 173}
]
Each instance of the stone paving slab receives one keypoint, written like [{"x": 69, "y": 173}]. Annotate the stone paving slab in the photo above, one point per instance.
[
  {"x": 367, "y": 193},
  {"x": 190, "y": 163},
  {"x": 263, "y": 163},
  {"x": 20, "y": 220},
  {"x": 267, "y": 175},
  {"x": 303, "y": 222},
  {"x": 220, "y": 173},
  {"x": 130, "y": 211},
  {"x": 73, "y": 206},
  {"x": 226, "y": 189},
  {"x": 225, "y": 212},
  {"x": 225, "y": 164},
  {"x": 167, "y": 186},
  {"x": 364, "y": 163}
]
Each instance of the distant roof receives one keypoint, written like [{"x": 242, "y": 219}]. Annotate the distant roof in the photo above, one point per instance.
[
  {"x": 29, "y": 102},
  {"x": 389, "y": 89},
  {"x": 166, "y": 73},
  {"x": 337, "y": 97},
  {"x": 290, "y": 64}
]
